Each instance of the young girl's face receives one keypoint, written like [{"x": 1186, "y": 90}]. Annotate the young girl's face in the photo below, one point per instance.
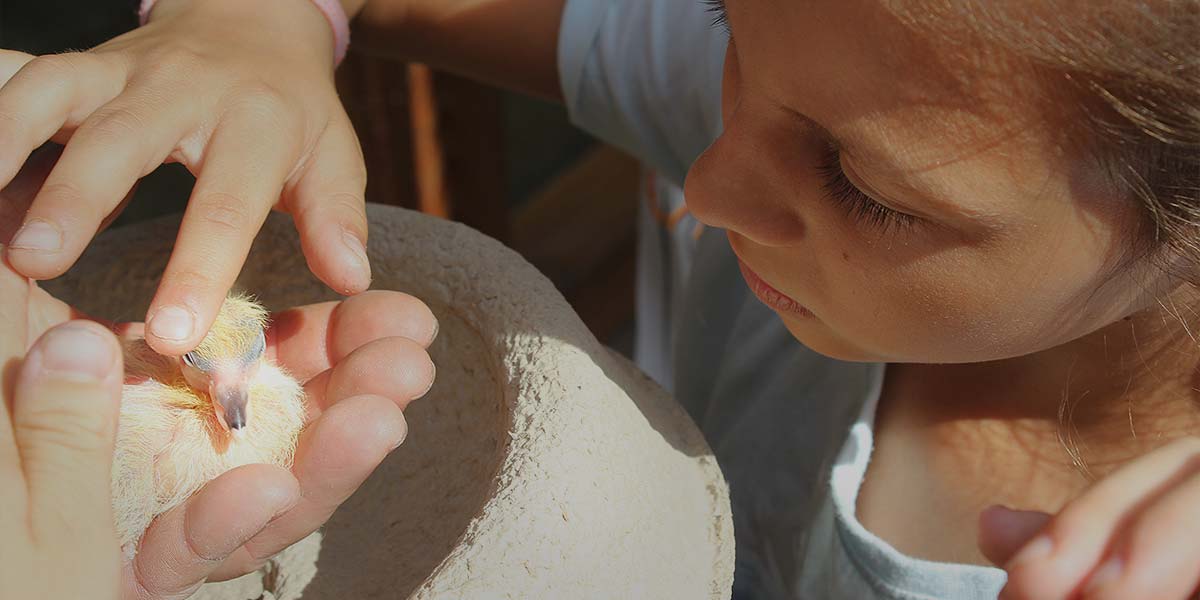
[{"x": 894, "y": 198}]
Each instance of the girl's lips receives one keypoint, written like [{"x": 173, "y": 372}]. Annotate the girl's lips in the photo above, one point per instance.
[{"x": 771, "y": 296}]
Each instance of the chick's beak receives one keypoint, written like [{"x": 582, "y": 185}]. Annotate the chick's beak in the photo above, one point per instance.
[{"x": 230, "y": 404}]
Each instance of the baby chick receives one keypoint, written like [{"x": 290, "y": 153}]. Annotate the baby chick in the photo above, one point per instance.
[{"x": 184, "y": 421}]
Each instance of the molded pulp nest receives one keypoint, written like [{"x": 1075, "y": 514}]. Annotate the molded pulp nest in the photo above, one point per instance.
[{"x": 540, "y": 465}]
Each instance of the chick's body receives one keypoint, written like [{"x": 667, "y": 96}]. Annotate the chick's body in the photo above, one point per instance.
[{"x": 171, "y": 439}]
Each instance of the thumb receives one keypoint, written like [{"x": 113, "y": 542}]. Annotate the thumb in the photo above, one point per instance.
[
  {"x": 1003, "y": 531},
  {"x": 65, "y": 420}
]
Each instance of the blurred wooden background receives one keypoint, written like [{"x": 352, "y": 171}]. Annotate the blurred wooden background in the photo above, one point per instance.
[{"x": 509, "y": 166}]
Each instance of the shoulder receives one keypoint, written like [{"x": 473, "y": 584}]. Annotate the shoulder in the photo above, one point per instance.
[{"x": 644, "y": 76}]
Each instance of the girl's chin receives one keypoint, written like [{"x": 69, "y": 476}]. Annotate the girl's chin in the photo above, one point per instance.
[{"x": 820, "y": 339}]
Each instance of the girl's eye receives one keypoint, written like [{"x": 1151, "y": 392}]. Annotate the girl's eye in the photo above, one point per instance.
[{"x": 854, "y": 201}]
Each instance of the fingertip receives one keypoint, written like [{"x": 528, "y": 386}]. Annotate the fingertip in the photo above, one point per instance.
[
  {"x": 80, "y": 351},
  {"x": 381, "y": 313},
  {"x": 274, "y": 488},
  {"x": 37, "y": 250},
  {"x": 172, "y": 328},
  {"x": 1004, "y": 531},
  {"x": 339, "y": 259},
  {"x": 381, "y": 423},
  {"x": 430, "y": 379},
  {"x": 401, "y": 370},
  {"x": 281, "y": 491},
  {"x": 233, "y": 508},
  {"x": 357, "y": 262},
  {"x": 991, "y": 521},
  {"x": 397, "y": 431},
  {"x": 368, "y": 425},
  {"x": 69, "y": 390},
  {"x": 1037, "y": 570},
  {"x": 437, "y": 328}
]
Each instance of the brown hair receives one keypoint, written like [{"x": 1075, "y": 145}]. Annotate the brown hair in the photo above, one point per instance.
[{"x": 1134, "y": 68}]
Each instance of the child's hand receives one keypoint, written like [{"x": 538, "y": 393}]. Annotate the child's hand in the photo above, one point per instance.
[
  {"x": 1133, "y": 534},
  {"x": 242, "y": 94},
  {"x": 362, "y": 361},
  {"x": 57, "y": 428}
]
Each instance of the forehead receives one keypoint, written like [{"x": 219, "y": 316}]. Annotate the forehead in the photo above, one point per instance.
[
  {"x": 857, "y": 68},
  {"x": 912, "y": 104}
]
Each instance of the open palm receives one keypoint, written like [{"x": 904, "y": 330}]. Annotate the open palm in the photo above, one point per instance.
[{"x": 362, "y": 360}]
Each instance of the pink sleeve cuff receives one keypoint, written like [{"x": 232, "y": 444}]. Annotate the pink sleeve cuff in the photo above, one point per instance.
[{"x": 332, "y": 9}]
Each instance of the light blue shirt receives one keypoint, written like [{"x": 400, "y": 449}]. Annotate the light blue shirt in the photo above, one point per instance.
[{"x": 791, "y": 429}]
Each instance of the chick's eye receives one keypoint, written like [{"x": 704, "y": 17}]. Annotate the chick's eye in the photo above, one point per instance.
[
  {"x": 259, "y": 346},
  {"x": 189, "y": 360}
]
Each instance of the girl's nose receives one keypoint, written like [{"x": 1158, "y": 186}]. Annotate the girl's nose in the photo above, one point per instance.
[{"x": 743, "y": 185}]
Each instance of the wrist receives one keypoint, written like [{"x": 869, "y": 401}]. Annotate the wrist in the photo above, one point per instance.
[{"x": 333, "y": 13}]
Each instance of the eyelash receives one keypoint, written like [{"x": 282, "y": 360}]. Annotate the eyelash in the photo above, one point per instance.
[
  {"x": 837, "y": 186},
  {"x": 854, "y": 201},
  {"x": 720, "y": 18}
]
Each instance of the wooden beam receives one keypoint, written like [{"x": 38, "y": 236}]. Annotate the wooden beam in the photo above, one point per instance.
[{"x": 428, "y": 163}]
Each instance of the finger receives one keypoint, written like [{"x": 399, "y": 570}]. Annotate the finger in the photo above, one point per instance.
[
  {"x": 17, "y": 197},
  {"x": 329, "y": 207},
  {"x": 122, "y": 141},
  {"x": 14, "y": 291},
  {"x": 116, "y": 212},
  {"x": 184, "y": 545},
  {"x": 373, "y": 315},
  {"x": 1156, "y": 555},
  {"x": 241, "y": 176},
  {"x": 298, "y": 339},
  {"x": 65, "y": 422},
  {"x": 47, "y": 94},
  {"x": 11, "y": 61},
  {"x": 1003, "y": 531},
  {"x": 335, "y": 455},
  {"x": 1057, "y": 560},
  {"x": 395, "y": 368},
  {"x": 311, "y": 339}
]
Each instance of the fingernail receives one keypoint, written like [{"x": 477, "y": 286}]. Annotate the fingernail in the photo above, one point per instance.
[
  {"x": 1107, "y": 573},
  {"x": 173, "y": 323},
  {"x": 356, "y": 248},
  {"x": 38, "y": 235},
  {"x": 400, "y": 442},
  {"x": 432, "y": 380},
  {"x": 76, "y": 353},
  {"x": 1038, "y": 549},
  {"x": 283, "y": 503}
]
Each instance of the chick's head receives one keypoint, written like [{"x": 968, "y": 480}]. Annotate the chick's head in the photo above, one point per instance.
[{"x": 226, "y": 361}]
